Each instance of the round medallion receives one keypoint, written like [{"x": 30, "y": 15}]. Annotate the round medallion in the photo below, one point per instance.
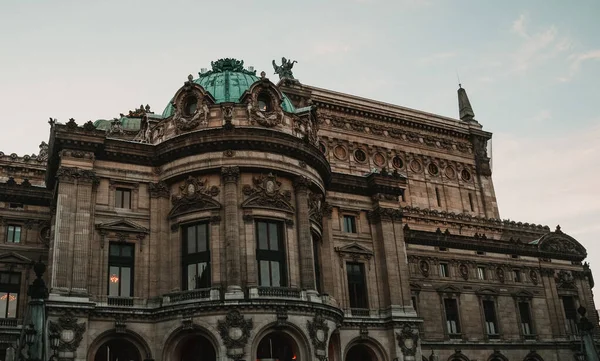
[
  {"x": 450, "y": 173},
  {"x": 397, "y": 162},
  {"x": 465, "y": 175},
  {"x": 67, "y": 335},
  {"x": 360, "y": 156},
  {"x": 235, "y": 333},
  {"x": 340, "y": 152},
  {"x": 379, "y": 159},
  {"x": 320, "y": 335},
  {"x": 270, "y": 186},
  {"x": 191, "y": 189},
  {"x": 416, "y": 166},
  {"x": 433, "y": 169},
  {"x": 409, "y": 343}
]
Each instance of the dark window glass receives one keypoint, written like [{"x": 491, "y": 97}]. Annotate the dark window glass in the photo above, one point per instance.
[
  {"x": 452, "y": 321},
  {"x": 316, "y": 257},
  {"x": 10, "y": 285},
  {"x": 570, "y": 314},
  {"x": 489, "y": 313},
  {"x": 357, "y": 287},
  {"x": 123, "y": 198},
  {"x": 526, "y": 326},
  {"x": 190, "y": 105},
  {"x": 444, "y": 270},
  {"x": 414, "y": 302},
  {"x": 270, "y": 254},
  {"x": 350, "y": 224},
  {"x": 120, "y": 270},
  {"x": 196, "y": 257},
  {"x": 481, "y": 273},
  {"x": 471, "y": 202},
  {"x": 13, "y": 234},
  {"x": 517, "y": 276},
  {"x": 264, "y": 102},
  {"x": 437, "y": 197}
]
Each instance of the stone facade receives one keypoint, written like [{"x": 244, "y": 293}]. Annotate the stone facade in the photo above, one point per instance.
[{"x": 281, "y": 221}]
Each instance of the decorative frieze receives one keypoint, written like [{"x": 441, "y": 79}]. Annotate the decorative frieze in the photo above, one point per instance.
[{"x": 71, "y": 174}]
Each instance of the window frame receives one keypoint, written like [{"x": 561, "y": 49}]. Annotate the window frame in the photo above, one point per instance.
[
  {"x": 123, "y": 191},
  {"x": 353, "y": 224},
  {"x": 458, "y": 323},
  {"x": 517, "y": 276},
  {"x": 279, "y": 255},
  {"x": 316, "y": 243},
  {"x": 571, "y": 323},
  {"x": 10, "y": 288},
  {"x": 491, "y": 302},
  {"x": 532, "y": 330},
  {"x": 121, "y": 262},
  {"x": 196, "y": 258},
  {"x": 481, "y": 276},
  {"x": 364, "y": 299},
  {"x": 446, "y": 267},
  {"x": 14, "y": 225}
]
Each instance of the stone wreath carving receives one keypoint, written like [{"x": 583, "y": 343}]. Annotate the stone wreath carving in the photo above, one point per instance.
[
  {"x": 69, "y": 331},
  {"x": 408, "y": 340},
  {"x": 199, "y": 117},
  {"x": 266, "y": 192},
  {"x": 318, "y": 332},
  {"x": 235, "y": 332},
  {"x": 194, "y": 194},
  {"x": 265, "y": 118}
]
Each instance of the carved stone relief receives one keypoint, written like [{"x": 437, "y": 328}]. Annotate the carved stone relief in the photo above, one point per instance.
[
  {"x": 266, "y": 192},
  {"x": 408, "y": 340},
  {"x": 319, "y": 334},
  {"x": 69, "y": 331},
  {"x": 235, "y": 332}
]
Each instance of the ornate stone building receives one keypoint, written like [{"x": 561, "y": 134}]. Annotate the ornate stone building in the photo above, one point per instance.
[{"x": 254, "y": 220}]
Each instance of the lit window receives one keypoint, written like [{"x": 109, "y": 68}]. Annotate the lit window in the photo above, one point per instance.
[
  {"x": 10, "y": 284},
  {"x": 196, "y": 256},
  {"x": 270, "y": 254},
  {"x": 481, "y": 273},
  {"x": 444, "y": 270},
  {"x": 452, "y": 318},
  {"x": 13, "y": 234},
  {"x": 123, "y": 198},
  {"x": 489, "y": 313},
  {"x": 349, "y": 224},
  {"x": 357, "y": 287},
  {"x": 120, "y": 270}
]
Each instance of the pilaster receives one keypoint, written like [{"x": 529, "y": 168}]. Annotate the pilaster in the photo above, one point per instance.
[
  {"x": 230, "y": 177},
  {"x": 158, "y": 240},
  {"x": 307, "y": 272}
]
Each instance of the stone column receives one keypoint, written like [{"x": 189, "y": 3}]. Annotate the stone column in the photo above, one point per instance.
[
  {"x": 307, "y": 272},
  {"x": 555, "y": 307},
  {"x": 158, "y": 240},
  {"x": 329, "y": 258},
  {"x": 232, "y": 230},
  {"x": 83, "y": 232}
]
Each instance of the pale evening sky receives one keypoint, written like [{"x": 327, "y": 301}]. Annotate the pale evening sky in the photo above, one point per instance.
[{"x": 531, "y": 69}]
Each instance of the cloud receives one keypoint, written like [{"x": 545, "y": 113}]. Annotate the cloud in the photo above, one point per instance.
[
  {"x": 575, "y": 63},
  {"x": 518, "y": 26}
]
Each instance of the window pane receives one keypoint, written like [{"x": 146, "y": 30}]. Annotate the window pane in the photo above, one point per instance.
[
  {"x": 114, "y": 250},
  {"x": 3, "y": 304},
  {"x": 191, "y": 240},
  {"x": 203, "y": 275},
  {"x": 262, "y": 235},
  {"x": 126, "y": 199},
  {"x": 264, "y": 273},
  {"x": 119, "y": 198},
  {"x": 17, "y": 236},
  {"x": 191, "y": 276},
  {"x": 275, "y": 276},
  {"x": 273, "y": 237},
  {"x": 4, "y": 278},
  {"x": 11, "y": 233},
  {"x": 13, "y": 299},
  {"x": 125, "y": 282},
  {"x": 201, "y": 231},
  {"x": 126, "y": 251},
  {"x": 15, "y": 278},
  {"x": 113, "y": 281}
]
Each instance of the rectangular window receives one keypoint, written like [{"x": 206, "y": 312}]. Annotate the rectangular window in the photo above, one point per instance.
[
  {"x": 471, "y": 202},
  {"x": 517, "y": 276},
  {"x": 13, "y": 234},
  {"x": 270, "y": 254},
  {"x": 317, "y": 263},
  {"x": 357, "y": 287},
  {"x": 123, "y": 198},
  {"x": 120, "y": 270},
  {"x": 570, "y": 314},
  {"x": 489, "y": 313},
  {"x": 349, "y": 224},
  {"x": 481, "y": 273},
  {"x": 452, "y": 320},
  {"x": 437, "y": 196},
  {"x": 525, "y": 314},
  {"x": 444, "y": 270},
  {"x": 10, "y": 285},
  {"x": 196, "y": 256}
]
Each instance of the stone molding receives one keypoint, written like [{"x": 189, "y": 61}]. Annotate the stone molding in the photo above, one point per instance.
[
  {"x": 230, "y": 174},
  {"x": 159, "y": 190},
  {"x": 381, "y": 214},
  {"x": 72, "y": 174}
]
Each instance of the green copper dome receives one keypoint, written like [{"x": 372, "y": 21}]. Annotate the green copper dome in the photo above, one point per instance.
[{"x": 226, "y": 82}]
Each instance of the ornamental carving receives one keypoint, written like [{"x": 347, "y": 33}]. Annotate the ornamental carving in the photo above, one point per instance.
[
  {"x": 500, "y": 274},
  {"x": 355, "y": 252},
  {"x": 70, "y": 174},
  {"x": 69, "y": 331},
  {"x": 558, "y": 242},
  {"x": 424, "y": 268},
  {"x": 269, "y": 116},
  {"x": 464, "y": 271},
  {"x": 408, "y": 340},
  {"x": 159, "y": 190},
  {"x": 199, "y": 117},
  {"x": 194, "y": 195},
  {"x": 230, "y": 174},
  {"x": 266, "y": 192},
  {"x": 315, "y": 207},
  {"x": 384, "y": 214},
  {"x": 43, "y": 154},
  {"x": 565, "y": 279},
  {"x": 235, "y": 332},
  {"x": 318, "y": 332},
  {"x": 533, "y": 276}
]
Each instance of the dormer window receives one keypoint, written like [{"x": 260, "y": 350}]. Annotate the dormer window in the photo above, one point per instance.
[
  {"x": 264, "y": 102},
  {"x": 190, "y": 105}
]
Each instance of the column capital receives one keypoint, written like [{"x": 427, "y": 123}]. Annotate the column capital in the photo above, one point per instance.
[
  {"x": 301, "y": 183},
  {"x": 230, "y": 174},
  {"x": 158, "y": 190},
  {"x": 380, "y": 214}
]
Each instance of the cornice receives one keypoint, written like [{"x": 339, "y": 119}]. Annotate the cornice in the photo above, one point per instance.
[{"x": 26, "y": 194}]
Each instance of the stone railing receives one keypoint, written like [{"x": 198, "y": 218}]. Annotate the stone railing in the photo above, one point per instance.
[
  {"x": 360, "y": 312},
  {"x": 192, "y": 295},
  {"x": 10, "y": 322},
  {"x": 124, "y": 302},
  {"x": 283, "y": 292}
]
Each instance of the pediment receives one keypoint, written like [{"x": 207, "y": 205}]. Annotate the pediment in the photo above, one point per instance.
[
  {"x": 559, "y": 242},
  {"x": 523, "y": 294},
  {"x": 122, "y": 225},
  {"x": 449, "y": 289},
  {"x": 198, "y": 203},
  {"x": 14, "y": 258},
  {"x": 487, "y": 291},
  {"x": 354, "y": 248}
]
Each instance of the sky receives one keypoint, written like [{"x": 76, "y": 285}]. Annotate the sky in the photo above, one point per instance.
[{"x": 531, "y": 70}]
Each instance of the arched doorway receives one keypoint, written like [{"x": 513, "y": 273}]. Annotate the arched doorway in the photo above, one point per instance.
[
  {"x": 118, "y": 350},
  {"x": 277, "y": 346},
  {"x": 360, "y": 352},
  {"x": 195, "y": 348}
]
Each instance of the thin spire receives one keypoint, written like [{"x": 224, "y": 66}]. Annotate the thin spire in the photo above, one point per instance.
[{"x": 464, "y": 105}]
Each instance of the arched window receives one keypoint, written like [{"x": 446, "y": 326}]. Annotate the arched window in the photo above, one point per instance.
[
  {"x": 360, "y": 352},
  {"x": 118, "y": 350},
  {"x": 264, "y": 102},
  {"x": 277, "y": 346},
  {"x": 196, "y": 348}
]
